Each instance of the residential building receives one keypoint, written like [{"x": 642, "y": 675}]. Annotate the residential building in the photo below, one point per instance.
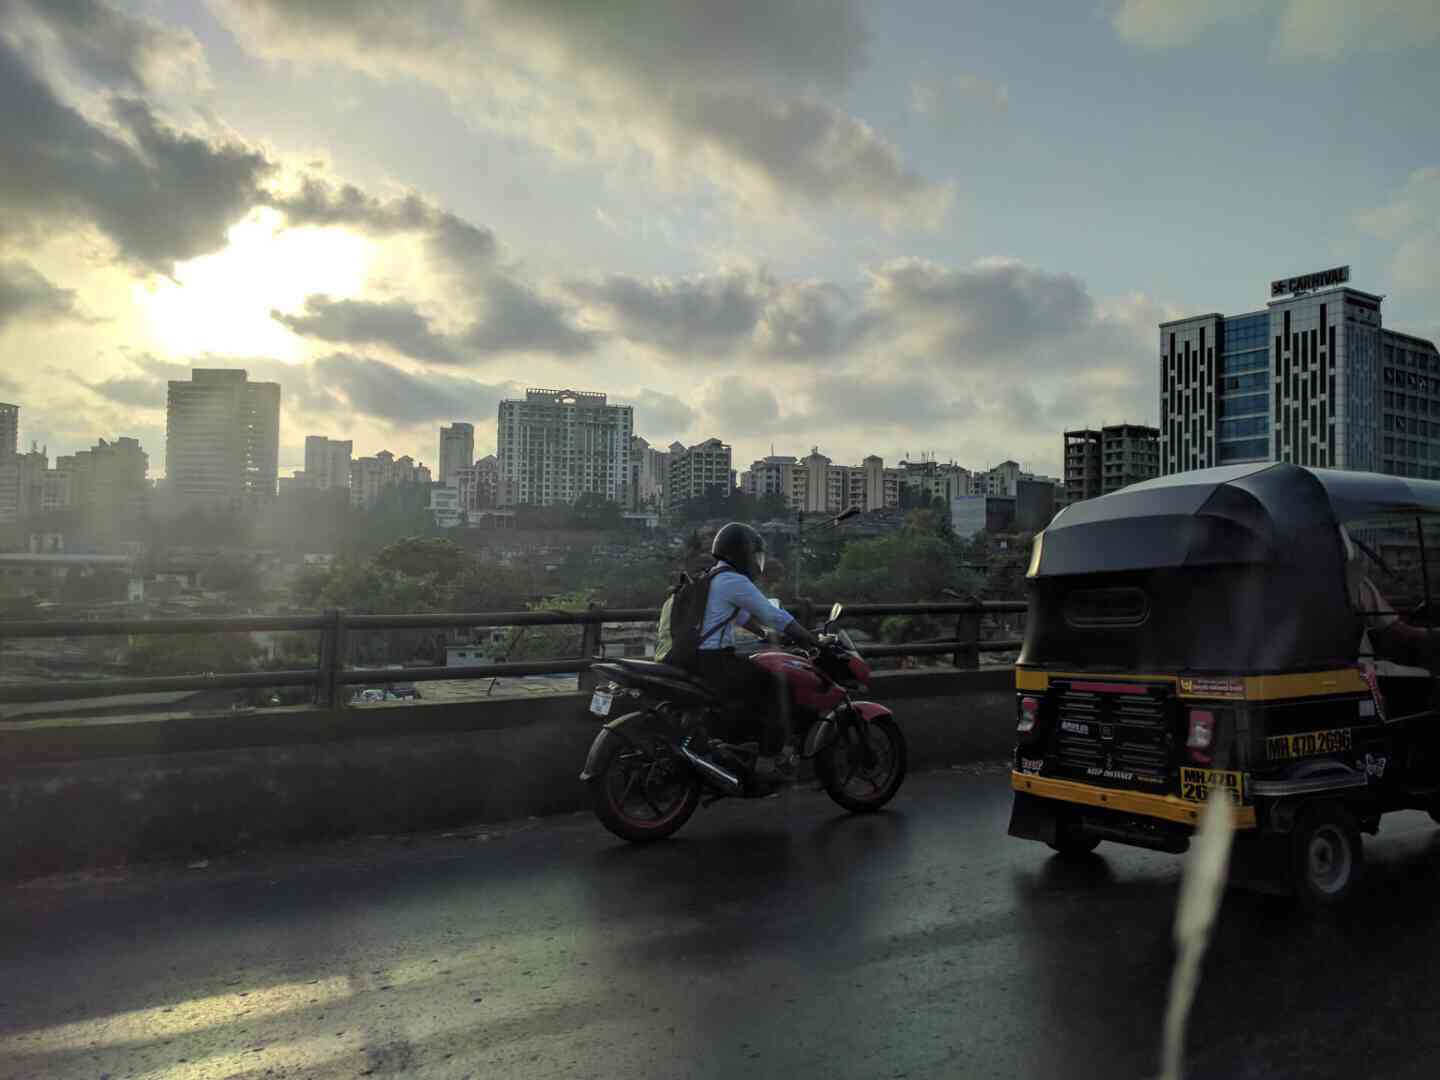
[
  {"x": 22, "y": 485},
  {"x": 778, "y": 474},
  {"x": 943, "y": 481},
  {"x": 557, "y": 445},
  {"x": 649, "y": 487},
  {"x": 817, "y": 485},
  {"x": 222, "y": 439},
  {"x": 369, "y": 476},
  {"x": 457, "y": 451},
  {"x": 110, "y": 481},
  {"x": 1098, "y": 462},
  {"x": 697, "y": 470},
  {"x": 296, "y": 483},
  {"x": 9, "y": 432},
  {"x": 1314, "y": 378},
  {"x": 327, "y": 463}
]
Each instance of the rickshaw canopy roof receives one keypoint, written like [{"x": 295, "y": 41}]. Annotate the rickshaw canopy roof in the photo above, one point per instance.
[{"x": 1234, "y": 514}]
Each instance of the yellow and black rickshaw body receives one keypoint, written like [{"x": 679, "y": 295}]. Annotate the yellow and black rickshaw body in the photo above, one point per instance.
[{"x": 1192, "y": 637}]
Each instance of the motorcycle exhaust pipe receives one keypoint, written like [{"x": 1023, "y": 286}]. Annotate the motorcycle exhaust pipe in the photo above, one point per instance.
[{"x": 727, "y": 781}]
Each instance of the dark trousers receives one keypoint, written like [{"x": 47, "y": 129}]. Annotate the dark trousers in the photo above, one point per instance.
[{"x": 751, "y": 691}]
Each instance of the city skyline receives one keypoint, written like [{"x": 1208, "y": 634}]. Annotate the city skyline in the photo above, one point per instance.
[{"x": 887, "y": 231}]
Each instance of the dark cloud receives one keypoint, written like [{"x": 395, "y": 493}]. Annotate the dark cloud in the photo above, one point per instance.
[
  {"x": 737, "y": 91},
  {"x": 660, "y": 417},
  {"x": 162, "y": 197},
  {"x": 980, "y": 315},
  {"x": 136, "y": 391},
  {"x": 386, "y": 392},
  {"x": 25, "y": 293},
  {"x": 741, "y": 406},
  {"x": 518, "y": 319},
  {"x": 110, "y": 47},
  {"x": 147, "y": 387},
  {"x": 394, "y": 324},
  {"x": 461, "y": 246},
  {"x": 721, "y": 313}
]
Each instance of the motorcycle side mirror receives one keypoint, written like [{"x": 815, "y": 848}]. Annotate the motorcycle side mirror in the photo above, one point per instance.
[
  {"x": 774, "y": 600},
  {"x": 836, "y": 612}
]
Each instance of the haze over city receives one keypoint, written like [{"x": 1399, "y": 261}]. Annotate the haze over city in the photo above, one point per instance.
[{"x": 875, "y": 231}]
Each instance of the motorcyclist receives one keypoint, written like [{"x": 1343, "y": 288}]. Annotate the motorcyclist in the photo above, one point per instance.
[{"x": 734, "y": 601}]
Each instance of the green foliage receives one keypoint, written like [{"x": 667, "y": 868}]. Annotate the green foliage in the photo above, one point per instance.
[
  {"x": 549, "y": 642},
  {"x": 423, "y": 556},
  {"x": 192, "y": 654},
  {"x": 235, "y": 576},
  {"x": 733, "y": 505}
]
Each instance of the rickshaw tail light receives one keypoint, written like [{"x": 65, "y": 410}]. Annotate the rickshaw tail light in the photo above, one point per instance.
[
  {"x": 1029, "y": 713},
  {"x": 1201, "y": 736}
]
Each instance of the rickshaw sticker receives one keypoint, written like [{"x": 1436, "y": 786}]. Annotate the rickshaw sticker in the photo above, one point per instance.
[
  {"x": 1375, "y": 766},
  {"x": 1197, "y": 785},
  {"x": 1031, "y": 765},
  {"x": 1213, "y": 688},
  {"x": 1307, "y": 744}
]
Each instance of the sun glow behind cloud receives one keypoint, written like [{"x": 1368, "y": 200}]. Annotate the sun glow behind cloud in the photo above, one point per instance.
[{"x": 221, "y": 303}]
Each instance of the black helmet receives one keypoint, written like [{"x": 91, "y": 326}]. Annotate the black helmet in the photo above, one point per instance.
[{"x": 742, "y": 547}]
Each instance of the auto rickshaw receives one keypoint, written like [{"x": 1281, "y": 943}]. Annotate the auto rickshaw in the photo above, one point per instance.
[{"x": 1198, "y": 636}]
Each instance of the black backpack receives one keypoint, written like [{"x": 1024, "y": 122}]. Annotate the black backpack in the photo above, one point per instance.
[{"x": 681, "y": 617}]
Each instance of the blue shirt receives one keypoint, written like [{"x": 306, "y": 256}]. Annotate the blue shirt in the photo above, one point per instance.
[{"x": 732, "y": 591}]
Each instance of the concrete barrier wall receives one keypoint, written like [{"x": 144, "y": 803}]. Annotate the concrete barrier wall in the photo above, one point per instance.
[{"x": 74, "y": 796}]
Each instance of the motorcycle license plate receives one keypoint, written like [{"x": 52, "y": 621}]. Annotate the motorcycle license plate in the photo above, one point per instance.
[{"x": 600, "y": 702}]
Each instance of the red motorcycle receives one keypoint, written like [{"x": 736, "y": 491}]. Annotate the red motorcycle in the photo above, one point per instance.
[{"x": 649, "y": 769}]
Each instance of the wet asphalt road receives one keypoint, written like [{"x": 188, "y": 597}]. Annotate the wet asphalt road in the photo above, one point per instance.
[{"x": 779, "y": 938}]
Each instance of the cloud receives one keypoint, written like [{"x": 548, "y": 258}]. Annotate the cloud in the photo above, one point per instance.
[
  {"x": 736, "y": 94},
  {"x": 1412, "y": 222},
  {"x": 740, "y": 406},
  {"x": 159, "y": 194},
  {"x": 661, "y": 417},
  {"x": 394, "y": 324},
  {"x": 26, "y": 294},
  {"x": 460, "y": 245},
  {"x": 1304, "y": 28},
  {"x": 386, "y": 392},
  {"x": 721, "y": 313},
  {"x": 948, "y": 101},
  {"x": 112, "y": 48},
  {"x": 518, "y": 319}
]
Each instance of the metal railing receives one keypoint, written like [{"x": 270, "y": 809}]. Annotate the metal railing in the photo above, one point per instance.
[{"x": 331, "y": 676}]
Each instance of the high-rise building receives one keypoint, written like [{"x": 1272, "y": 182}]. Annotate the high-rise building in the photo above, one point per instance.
[
  {"x": 327, "y": 463},
  {"x": 649, "y": 487},
  {"x": 697, "y": 470},
  {"x": 557, "y": 445},
  {"x": 778, "y": 474},
  {"x": 222, "y": 439},
  {"x": 22, "y": 485},
  {"x": 1314, "y": 378},
  {"x": 110, "y": 482},
  {"x": 9, "y": 431},
  {"x": 369, "y": 476},
  {"x": 817, "y": 485},
  {"x": 1098, "y": 462},
  {"x": 457, "y": 451}
]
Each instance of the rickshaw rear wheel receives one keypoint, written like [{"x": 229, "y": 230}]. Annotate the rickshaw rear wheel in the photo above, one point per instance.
[
  {"x": 1327, "y": 857},
  {"x": 1072, "y": 841}
]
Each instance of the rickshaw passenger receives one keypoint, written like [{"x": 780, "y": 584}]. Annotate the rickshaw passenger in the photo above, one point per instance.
[{"x": 1388, "y": 636}]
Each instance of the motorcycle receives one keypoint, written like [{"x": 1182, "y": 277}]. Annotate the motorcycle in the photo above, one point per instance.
[{"x": 649, "y": 769}]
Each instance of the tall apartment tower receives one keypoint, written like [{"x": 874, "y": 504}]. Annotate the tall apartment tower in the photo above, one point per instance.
[
  {"x": 457, "y": 451},
  {"x": 327, "y": 462},
  {"x": 557, "y": 445},
  {"x": 9, "y": 431},
  {"x": 1314, "y": 378},
  {"x": 696, "y": 470},
  {"x": 222, "y": 439}
]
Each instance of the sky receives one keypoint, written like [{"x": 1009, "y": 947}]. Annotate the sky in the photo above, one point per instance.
[{"x": 896, "y": 228}]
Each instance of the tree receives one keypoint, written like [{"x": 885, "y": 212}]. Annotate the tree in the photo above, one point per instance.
[
  {"x": 237, "y": 577},
  {"x": 593, "y": 511},
  {"x": 99, "y": 587},
  {"x": 549, "y": 642},
  {"x": 422, "y": 556}
]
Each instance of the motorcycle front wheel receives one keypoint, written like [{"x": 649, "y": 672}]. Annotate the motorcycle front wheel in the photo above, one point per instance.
[
  {"x": 863, "y": 782},
  {"x": 641, "y": 791}
]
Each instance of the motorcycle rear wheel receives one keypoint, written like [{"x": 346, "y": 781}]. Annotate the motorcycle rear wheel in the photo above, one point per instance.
[
  {"x": 838, "y": 767},
  {"x": 642, "y": 792}
]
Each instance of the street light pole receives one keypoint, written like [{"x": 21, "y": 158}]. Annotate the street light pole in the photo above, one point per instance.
[{"x": 799, "y": 548}]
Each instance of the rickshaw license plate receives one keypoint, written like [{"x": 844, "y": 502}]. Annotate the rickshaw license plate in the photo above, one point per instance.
[
  {"x": 1198, "y": 785},
  {"x": 600, "y": 702}
]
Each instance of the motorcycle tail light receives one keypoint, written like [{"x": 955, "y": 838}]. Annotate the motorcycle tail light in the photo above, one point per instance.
[
  {"x": 1201, "y": 737},
  {"x": 1029, "y": 713}
]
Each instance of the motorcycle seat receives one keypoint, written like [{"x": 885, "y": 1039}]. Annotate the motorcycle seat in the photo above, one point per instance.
[{"x": 656, "y": 669}]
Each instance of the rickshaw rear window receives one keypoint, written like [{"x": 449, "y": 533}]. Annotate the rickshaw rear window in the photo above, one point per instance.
[{"x": 1106, "y": 607}]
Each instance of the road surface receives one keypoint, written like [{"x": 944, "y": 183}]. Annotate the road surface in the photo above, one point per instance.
[{"x": 777, "y": 938}]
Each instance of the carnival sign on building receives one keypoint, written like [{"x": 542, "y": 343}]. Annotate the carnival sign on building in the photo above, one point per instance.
[{"x": 1321, "y": 279}]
